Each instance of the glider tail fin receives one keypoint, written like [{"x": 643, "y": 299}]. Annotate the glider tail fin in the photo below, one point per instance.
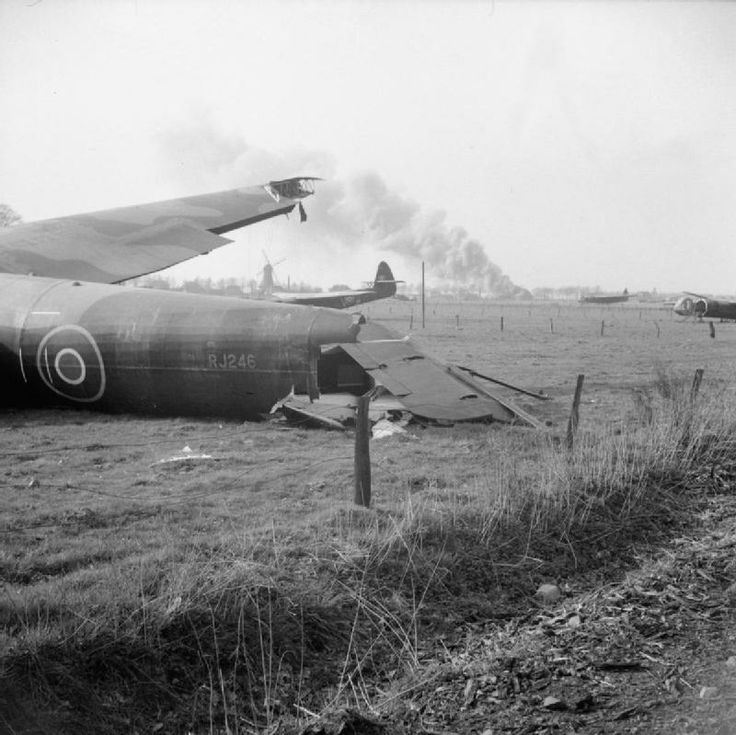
[{"x": 384, "y": 285}]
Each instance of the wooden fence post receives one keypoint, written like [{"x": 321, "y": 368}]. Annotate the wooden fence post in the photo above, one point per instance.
[
  {"x": 712, "y": 330},
  {"x": 551, "y": 325},
  {"x": 362, "y": 453},
  {"x": 656, "y": 324},
  {"x": 603, "y": 326},
  {"x": 411, "y": 321},
  {"x": 502, "y": 324},
  {"x": 695, "y": 387},
  {"x": 423, "y": 302},
  {"x": 457, "y": 321},
  {"x": 572, "y": 423}
]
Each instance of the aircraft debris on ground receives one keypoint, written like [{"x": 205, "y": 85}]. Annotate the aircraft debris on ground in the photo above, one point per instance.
[
  {"x": 402, "y": 382},
  {"x": 91, "y": 343},
  {"x": 692, "y": 304}
]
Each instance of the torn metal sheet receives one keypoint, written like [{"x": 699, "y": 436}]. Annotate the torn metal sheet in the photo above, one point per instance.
[
  {"x": 524, "y": 391},
  {"x": 401, "y": 381},
  {"x": 336, "y": 410},
  {"x": 322, "y": 413},
  {"x": 429, "y": 389}
]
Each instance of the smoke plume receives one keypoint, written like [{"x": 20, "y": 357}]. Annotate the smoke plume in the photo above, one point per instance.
[
  {"x": 362, "y": 207},
  {"x": 347, "y": 211}
]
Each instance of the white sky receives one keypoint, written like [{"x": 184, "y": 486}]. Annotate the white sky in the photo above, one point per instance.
[{"x": 589, "y": 143}]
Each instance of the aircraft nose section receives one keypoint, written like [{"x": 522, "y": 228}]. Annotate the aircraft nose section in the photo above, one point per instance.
[
  {"x": 332, "y": 326},
  {"x": 683, "y": 306}
]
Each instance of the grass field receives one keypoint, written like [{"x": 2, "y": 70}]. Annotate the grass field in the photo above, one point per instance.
[{"x": 148, "y": 588}]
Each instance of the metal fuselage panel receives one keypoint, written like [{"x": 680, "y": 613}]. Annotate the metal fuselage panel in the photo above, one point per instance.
[
  {"x": 700, "y": 306},
  {"x": 721, "y": 309},
  {"x": 141, "y": 350}
]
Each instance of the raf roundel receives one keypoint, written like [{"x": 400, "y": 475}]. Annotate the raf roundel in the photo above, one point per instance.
[{"x": 70, "y": 363}]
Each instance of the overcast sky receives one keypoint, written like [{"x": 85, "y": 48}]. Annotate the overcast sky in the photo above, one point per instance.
[{"x": 580, "y": 143}]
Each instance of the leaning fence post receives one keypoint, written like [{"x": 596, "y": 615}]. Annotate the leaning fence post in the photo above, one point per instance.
[
  {"x": 362, "y": 453},
  {"x": 572, "y": 423},
  {"x": 695, "y": 387},
  {"x": 712, "y": 330}
]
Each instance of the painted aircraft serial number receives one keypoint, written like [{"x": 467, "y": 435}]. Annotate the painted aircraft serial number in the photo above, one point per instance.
[{"x": 231, "y": 361}]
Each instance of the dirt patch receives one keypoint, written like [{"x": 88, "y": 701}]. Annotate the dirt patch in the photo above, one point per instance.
[{"x": 652, "y": 652}]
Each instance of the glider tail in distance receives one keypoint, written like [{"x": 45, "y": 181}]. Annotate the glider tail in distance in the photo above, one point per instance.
[{"x": 383, "y": 287}]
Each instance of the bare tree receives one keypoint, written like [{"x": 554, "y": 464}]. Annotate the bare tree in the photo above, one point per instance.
[{"x": 8, "y": 216}]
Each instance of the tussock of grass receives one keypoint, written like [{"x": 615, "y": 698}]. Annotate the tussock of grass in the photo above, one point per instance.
[
  {"x": 243, "y": 629},
  {"x": 612, "y": 479}
]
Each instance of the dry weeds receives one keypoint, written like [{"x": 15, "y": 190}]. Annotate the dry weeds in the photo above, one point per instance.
[{"x": 244, "y": 593}]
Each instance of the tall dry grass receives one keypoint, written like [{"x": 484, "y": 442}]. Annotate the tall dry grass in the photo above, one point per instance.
[
  {"x": 612, "y": 477},
  {"x": 272, "y": 629}
]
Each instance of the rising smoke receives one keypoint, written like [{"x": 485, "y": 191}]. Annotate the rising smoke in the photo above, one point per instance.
[
  {"x": 363, "y": 207},
  {"x": 359, "y": 209}
]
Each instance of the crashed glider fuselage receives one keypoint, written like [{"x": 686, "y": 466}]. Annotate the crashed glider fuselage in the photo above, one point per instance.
[
  {"x": 67, "y": 334},
  {"x": 140, "y": 350}
]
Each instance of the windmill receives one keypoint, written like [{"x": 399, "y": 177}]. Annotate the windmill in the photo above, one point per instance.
[{"x": 267, "y": 279}]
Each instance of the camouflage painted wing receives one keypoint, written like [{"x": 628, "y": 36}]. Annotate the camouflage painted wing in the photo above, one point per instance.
[{"x": 115, "y": 245}]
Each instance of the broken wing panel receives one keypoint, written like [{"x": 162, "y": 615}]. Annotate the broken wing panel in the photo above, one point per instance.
[
  {"x": 426, "y": 387},
  {"x": 77, "y": 255},
  {"x": 115, "y": 245}
]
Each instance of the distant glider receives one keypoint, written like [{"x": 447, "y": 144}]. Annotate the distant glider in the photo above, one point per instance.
[
  {"x": 617, "y": 298},
  {"x": 692, "y": 304},
  {"x": 383, "y": 287}
]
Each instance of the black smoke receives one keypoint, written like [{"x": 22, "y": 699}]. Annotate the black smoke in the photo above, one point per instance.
[
  {"x": 363, "y": 207},
  {"x": 348, "y": 211}
]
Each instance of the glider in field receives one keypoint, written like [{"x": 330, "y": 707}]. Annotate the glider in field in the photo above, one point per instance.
[
  {"x": 692, "y": 304},
  {"x": 383, "y": 287},
  {"x": 614, "y": 298},
  {"x": 70, "y": 334}
]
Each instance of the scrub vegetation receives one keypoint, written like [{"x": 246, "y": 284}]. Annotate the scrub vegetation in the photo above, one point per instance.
[{"x": 198, "y": 576}]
